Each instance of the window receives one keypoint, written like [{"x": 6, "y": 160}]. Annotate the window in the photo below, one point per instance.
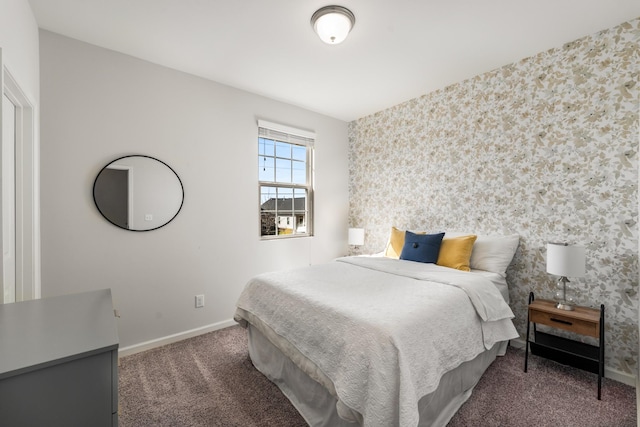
[{"x": 285, "y": 175}]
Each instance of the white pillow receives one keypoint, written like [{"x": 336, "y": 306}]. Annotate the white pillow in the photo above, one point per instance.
[{"x": 494, "y": 253}]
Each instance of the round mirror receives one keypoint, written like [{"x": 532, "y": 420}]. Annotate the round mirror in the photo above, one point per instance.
[{"x": 138, "y": 193}]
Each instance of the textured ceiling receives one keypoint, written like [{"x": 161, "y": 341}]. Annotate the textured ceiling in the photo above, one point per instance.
[{"x": 398, "y": 49}]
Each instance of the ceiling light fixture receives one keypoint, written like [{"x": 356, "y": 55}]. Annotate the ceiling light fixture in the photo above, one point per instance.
[{"x": 333, "y": 23}]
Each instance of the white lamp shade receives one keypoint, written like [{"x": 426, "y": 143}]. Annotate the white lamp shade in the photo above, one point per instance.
[
  {"x": 332, "y": 23},
  {"x": 565, "y": 260},
  {"x": 356, "y": 236}
]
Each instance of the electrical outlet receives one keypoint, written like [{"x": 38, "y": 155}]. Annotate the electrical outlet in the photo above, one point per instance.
[{"x": 199, "y": 301}]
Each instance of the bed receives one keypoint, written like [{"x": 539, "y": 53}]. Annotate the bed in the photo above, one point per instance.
[{"x": 376, "y": 341}]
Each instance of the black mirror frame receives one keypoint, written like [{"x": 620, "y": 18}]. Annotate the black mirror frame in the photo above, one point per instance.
[{"x": 95, "y": 202}]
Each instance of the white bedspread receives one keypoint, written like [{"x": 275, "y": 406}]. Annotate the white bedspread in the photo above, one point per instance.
[{"x": 382, "y": 331}]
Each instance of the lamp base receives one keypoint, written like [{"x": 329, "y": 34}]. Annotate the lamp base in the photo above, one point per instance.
[{"x": 563, "y": 305}]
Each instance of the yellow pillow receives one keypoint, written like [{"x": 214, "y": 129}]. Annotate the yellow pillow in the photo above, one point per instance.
[
  {"x": 395, "y": 244},
  {"x": 455, "y": 252}
]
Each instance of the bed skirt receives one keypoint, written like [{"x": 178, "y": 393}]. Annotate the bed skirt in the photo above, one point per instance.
[{"x": 318, "y": 407}]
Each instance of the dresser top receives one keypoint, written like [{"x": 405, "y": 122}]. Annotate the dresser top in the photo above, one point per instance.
[{"x": 39, "y": 333}]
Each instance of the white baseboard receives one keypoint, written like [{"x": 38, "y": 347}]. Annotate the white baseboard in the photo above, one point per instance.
[
  {"x": 159, "y": 342},
  {"x": 610, "y": 373},
  {"x": 517, "y": 343},
  {"x": 620, "y": 376}
]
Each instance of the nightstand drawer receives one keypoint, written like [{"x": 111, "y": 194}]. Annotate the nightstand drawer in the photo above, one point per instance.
[{"x": 567, "y": 323}]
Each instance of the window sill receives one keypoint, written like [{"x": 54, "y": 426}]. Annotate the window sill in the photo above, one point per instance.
[{"x": 284, "y": 237}]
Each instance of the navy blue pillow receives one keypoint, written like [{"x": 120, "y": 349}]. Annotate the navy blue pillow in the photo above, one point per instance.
[{"x": 421, "y": 247}]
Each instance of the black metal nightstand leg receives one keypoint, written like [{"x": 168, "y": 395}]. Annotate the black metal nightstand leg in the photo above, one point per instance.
[
  {"x": 601, "y": 355},
  {"x": 526, "y": 347},
  {"x": 526, "y": 341}
]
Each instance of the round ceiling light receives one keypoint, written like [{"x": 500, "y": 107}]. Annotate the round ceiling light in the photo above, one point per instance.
[{"x": 333, "y": 23}]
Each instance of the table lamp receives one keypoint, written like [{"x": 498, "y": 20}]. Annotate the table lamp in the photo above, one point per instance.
[
  {"x": 356, "y": 236},
  {"x": 565, "y": 260}
]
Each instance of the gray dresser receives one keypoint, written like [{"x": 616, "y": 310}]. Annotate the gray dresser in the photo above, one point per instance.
[{"x": 59, "y": 362}]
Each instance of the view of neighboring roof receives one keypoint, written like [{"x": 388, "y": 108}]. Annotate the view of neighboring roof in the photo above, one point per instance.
[{"x": 284, "y": 204}]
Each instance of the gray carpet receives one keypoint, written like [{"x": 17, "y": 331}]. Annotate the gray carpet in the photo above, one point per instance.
[{"x": 210, "y": 381}]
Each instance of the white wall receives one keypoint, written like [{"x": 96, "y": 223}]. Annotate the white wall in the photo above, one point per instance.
[
  {"x": 19, "y": 44},
  {"x": 98, "y": 105}
]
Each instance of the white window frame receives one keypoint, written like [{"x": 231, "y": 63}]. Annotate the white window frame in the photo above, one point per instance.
[{"x": 289, "y": 135}]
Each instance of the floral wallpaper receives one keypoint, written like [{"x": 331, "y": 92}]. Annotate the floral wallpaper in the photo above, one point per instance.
[{"x": 546, "y": 147}]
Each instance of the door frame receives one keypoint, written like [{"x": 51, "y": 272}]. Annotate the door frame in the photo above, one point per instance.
[
  {"x": 28, "y": 278},
  {"x": 129, "y": 190},
  {"x": 8, "y": 196}
]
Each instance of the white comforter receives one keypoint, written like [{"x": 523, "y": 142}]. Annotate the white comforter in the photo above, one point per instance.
[{"x": 383, "y": 331}]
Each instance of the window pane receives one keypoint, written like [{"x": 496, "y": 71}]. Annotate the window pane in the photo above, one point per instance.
[
  {"x": 283, "y": 150},
  {"x": 300, "y": 192},
  {"x": 285, "y": 201},
  {"x": 299, "y": 153},
  {"x": 266, "y": 169},
  {"x": 268, "y": 198},
  {"x": 283, "y": 170},
  {"x": 301, "y": 223},
  {"x": 265, "y": 147},
  {"x": 300, "y": 200},
  {"x": 299, "y": 172},
  {"x": 267, "y": 224},
  {"x": 286, "y": 224},
  {"x": 300, "y": 206}
]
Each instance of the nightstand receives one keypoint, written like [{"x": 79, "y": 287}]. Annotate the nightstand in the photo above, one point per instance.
[{"x": 583, "y": 320}]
